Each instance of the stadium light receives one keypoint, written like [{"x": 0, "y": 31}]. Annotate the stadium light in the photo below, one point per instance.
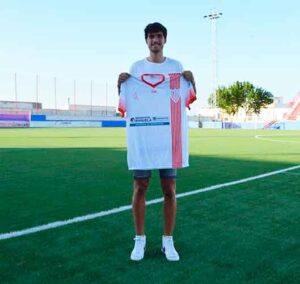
[{"x": 213, "y": 17}]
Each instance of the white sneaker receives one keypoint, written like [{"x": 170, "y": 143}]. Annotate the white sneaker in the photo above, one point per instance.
[
  {"x": 139, "y": 248},
  {"x": 168, "y": 248}
]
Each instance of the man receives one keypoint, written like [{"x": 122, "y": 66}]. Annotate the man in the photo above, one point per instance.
[{"x": 162, "y": 67}]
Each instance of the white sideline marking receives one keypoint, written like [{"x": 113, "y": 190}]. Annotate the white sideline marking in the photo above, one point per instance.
[
  {"x": 263, "y": 137},
  {"x": 57, "y": 224}
]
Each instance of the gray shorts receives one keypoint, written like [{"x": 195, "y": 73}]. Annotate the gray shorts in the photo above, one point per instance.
[{"x": 163, "y": 173}]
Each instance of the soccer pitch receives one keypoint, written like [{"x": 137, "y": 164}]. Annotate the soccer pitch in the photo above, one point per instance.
[{"x": 243, "y": 227}]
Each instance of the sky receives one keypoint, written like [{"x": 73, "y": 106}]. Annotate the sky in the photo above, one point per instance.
[{"x": 92, "y": 41}]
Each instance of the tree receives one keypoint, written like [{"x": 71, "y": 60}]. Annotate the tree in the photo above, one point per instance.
[
  {"x": 227, "y": 100},
  {"x": 259, "y": 99},
  {"x": 242, "y": 95}
]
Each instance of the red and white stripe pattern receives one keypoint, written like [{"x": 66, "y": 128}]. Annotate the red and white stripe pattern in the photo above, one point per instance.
[
  {"x": 190, "y": 98},
  {"x": 176, "y": 130},
  {"x": 122, "y": 107},
  {"x": 174, "y": 81},
  {"x": 176, "y": 133}
]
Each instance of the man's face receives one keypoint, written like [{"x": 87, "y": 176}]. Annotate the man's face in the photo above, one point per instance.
[{"x": 156, "y": 41}]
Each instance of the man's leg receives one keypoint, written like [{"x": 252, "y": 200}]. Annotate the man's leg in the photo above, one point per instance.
[
  {"x": 138, "y": 204},
  {"x": 168, "y": 185},
  {"x": 169, "y": 190},
  {"x": 140, "y": 185}
]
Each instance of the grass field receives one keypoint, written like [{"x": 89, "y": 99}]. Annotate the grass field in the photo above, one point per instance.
[{"x": 244, "y": 233}]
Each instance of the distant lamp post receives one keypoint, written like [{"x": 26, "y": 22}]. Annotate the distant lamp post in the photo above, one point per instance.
[
  {"x": 213, "y": 17},
  {"x": 16, "y": 91},
  {"x": 55, "y": 103},
  {"x": 106, "y": 95},
  {"x": 75, "y": 97},
  {"x": 37, "y": 92},
  {"x": 91, "y": 98}
]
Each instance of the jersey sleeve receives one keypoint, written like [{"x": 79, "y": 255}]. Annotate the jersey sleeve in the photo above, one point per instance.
[
  {"x": 122, "y": 100},
  {"x": 190, "y": 95},
  {"x": 180, "y": 67},
  {"x": 133, "y": 69}
]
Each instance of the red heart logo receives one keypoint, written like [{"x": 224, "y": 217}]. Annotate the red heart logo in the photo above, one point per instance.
[{"x": 153, "y": 80}]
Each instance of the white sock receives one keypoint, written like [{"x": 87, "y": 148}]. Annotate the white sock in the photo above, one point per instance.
[
  {"x": 140, "y": 237},
  {"x": 167, "y": 237}
]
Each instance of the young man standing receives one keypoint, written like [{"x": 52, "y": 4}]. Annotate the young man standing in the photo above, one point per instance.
[{"x": 153, "y": 70}]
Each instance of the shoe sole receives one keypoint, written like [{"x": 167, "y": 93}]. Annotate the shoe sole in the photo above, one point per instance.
[
  {"x": 169, "y": 259},
  {"x": 138, "y": 259}
]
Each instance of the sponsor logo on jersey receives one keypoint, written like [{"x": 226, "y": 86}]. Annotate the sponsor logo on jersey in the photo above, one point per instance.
[{"x": 149, "y": 121}]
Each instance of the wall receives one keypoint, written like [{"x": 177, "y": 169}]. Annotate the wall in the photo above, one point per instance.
[{"x": 67, "y": 121}]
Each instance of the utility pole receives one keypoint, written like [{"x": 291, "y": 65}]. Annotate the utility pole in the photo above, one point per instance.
[
  {"x": 213, "y": 18},
  {"x": 16, "y": 91},
  {"x": 106, "y": 95},
  {"x": 91, "y": 98},
  {"x": 75, "y": 97},
  {"x": 55, "y": 105}
]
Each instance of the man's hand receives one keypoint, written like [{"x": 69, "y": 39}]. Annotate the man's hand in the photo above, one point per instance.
[
  {"x": 122, "y": 78},
  {"x": 188, "y": 75}
]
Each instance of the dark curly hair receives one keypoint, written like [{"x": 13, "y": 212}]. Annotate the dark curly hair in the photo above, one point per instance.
[{"x": 154, "y": 28}]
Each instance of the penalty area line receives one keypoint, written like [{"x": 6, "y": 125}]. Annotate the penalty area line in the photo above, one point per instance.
[{"x": 52, "y": 225}]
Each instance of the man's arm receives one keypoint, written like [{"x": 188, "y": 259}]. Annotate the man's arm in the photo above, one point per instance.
[
  {"x": 122, "y": 78},
  {"x": 188, "y": 75}
]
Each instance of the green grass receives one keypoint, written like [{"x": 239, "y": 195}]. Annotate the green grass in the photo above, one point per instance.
[{"x": 247, "y": 233}]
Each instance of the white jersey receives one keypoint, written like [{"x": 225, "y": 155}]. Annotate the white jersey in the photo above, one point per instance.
[
  {"x": 144, "y": 66},
  {"x": 155, "y": 106}
]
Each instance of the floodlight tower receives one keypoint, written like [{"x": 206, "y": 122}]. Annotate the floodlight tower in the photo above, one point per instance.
[{"x": 213, "y": 16}]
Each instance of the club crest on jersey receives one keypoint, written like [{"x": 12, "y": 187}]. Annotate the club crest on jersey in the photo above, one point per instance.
[
  {"x": 175, "y": 95},
  {"x": 135, "y": 96}
]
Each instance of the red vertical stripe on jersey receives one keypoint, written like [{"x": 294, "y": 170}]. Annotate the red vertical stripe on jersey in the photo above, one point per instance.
[
  {"x": 176, "y": 133},
  {"x": 174, "y": 81},
  {"x": 122, "y": 107},
  {"x": 190, "y": 98}
]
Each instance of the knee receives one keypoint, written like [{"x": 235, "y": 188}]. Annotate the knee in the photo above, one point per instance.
[
  {"x": 168, "y": 188},
  {"x": 140, "y": 187}
]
